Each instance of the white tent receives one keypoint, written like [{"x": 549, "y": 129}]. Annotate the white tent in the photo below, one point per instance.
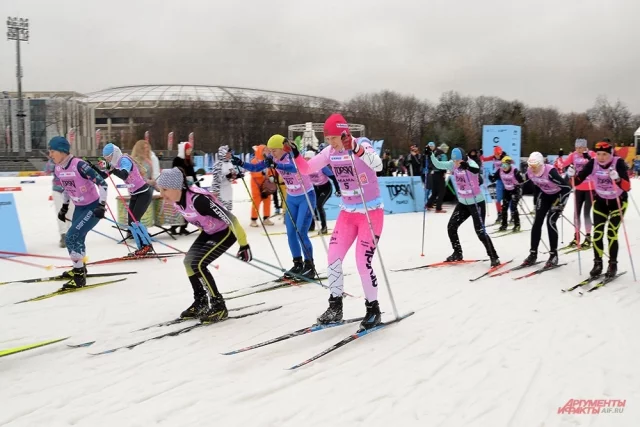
[{"x": 636, "y": 138}]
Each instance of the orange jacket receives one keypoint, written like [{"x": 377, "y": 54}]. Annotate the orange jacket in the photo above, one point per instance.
[{"x": 259, "y": 177}]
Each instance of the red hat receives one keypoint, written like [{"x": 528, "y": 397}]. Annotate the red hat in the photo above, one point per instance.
[
  {"x": 335, "y": 125},
  {"x": 497, "y": 150}
]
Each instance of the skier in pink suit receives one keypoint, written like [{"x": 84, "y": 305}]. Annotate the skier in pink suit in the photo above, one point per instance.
[{"x": 352, "y": 221}]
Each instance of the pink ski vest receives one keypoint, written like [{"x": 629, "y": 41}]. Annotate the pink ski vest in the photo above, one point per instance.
[
  {"x": 543, "y": 182},
  {"x": 346, "y": 175},
  {"x": 318, "y": 178},
  {"x": 134, "y": 181},
  {"x": 604, "y": 185},
  {"x": 82, "y": 191},
  {"x": 208, "y": 224},
  {"x": 467, "y": 184},
  {"x": 508, "y": 179},
  {"x": 296, "y": 184}
]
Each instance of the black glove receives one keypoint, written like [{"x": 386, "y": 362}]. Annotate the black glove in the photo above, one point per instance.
[
  {"x": 338, "y": 193},
  {"x": 290, "y": 147},
  {"x": 245, "y": 253},
  {"x": 62, "y": 214},
  {"x": 99, "y": 211},
  {"x": 102, "y": 173},
  {"x": 240, "y": 176},
  {"x": 464, "y": 165},
  {"x": 235, "y": 161},
  {"x": 493, "y": 178},
  {"x": 268, "y": 161}
]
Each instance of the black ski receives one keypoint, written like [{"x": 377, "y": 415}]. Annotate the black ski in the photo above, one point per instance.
[
  {"x": 185, "y": 330},
  {"x": 539, "y": 271},
  {"x": 603, "y": 282},
  {"x": 583, "y": 283},
  {"x": 349, "y": 339},
  {"x": 181, "y": 320},
  {"x": 299, "y": 332},
  {"x": 516, "y": 268},
  {"x": 60, "y": 277}
]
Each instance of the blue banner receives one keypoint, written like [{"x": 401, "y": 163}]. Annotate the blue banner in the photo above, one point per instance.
[
  {"x": 401, "y": 194},
  {"x": 198, "y": 162},
  {"x": 507, "y": 137},
  {"x": 12, "y": 240}
]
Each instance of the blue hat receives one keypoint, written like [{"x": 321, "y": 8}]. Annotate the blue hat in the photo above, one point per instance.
[
  {"x": 431, "y": 144},
  {"x": 107, "y": 150},
  {"x": 60, "y": 143},
  {"x": 457, "y": 154}
]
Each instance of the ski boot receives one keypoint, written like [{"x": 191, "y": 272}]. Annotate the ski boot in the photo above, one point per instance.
[
  {"x": 530, "y": 260},
  {"x": 324, "y": 230},
  {"x": 216, "y": 313},
  {"x": 612, "y": 270},
  {"x": 587, "y": 241},
  {"x": 573, "y": 244},
  {"x": 553, "y": 260},
  {"x": 455, "y": 256},
  {"x": 63, "y": 240},
  {"x": 296, "y": 270},
  {"x": 333, "y": 314},
  {"x": 69, "y": 274},
  {"x": 495, "y": 261},
  {"x": 78, "y": 279},
  {"x": 254, "y": 223},
  {"x": 503, "y": 227},
  {"x": 308, "y": 269},
  {"x": 199, "y": 306},
  {"x": 516, "y": 229},
  {"x": 597, "y": 268},
  {"x": 372, "y": 318},
  {"x": 143, "y": 251}
]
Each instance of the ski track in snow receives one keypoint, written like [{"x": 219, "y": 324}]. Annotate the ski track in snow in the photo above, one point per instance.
[{"x": 495, "y": 352}]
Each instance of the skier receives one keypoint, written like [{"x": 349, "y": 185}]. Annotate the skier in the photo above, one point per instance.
[
  {"x": 263, "y": 185},
  {"x": 323, "y": 190},
  {"x": 56, "y": 194},
  {"x": 357, "y": 185},
  {"x": 79, "y": 181},
  {"x": 511, "y": 179},
  {"x": 125, "y": 168},
  {"x": 610, "y": 179},
  {"x": 552, "y": 192},
  {"x": 298, "y": 218},
  {"x": 466, "y": 174},
  {"x": 220, "y": 230},
  {"x": 438, "y": 180},
  {"x": 496, "y": 160},
  {"x": 224, "y": 173},
  {"x": 583, "y": 192}
]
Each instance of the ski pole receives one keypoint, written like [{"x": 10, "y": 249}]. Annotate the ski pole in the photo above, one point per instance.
[
  {"x": 32, "y": 255},
  {"x": 257, "y": 208},
  {"x": 624, "y": 229},
  {"x": 31, "y": 264},
  {"x": 576, "y": 216},
  {"x": 373, "y": 237}
]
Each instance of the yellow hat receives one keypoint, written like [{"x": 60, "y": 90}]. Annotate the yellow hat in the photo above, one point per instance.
[{"x": 276, "y": 141}]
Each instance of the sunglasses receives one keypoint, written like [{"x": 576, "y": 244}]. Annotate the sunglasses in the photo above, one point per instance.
[{"x": 603, "y": 145}]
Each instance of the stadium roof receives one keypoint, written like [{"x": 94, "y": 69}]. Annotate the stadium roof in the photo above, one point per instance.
[{"x": 154, "y": 96}]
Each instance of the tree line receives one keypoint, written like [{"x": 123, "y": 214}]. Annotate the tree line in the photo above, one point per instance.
[{"x": 401, "y": 120}]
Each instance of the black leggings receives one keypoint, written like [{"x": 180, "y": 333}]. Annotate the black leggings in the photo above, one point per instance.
[
  {"x": 139, "y": 204},
  {"x": 583, "y": 198},
  {"x": 604, "y": 210},
  {"x": 513, "y": 197},
  {"x": 204, "y": 250},
  {"x": 460, "y": 214},
  {"x": 543, "y": 209},
  {"x": 323, "y": 193}
]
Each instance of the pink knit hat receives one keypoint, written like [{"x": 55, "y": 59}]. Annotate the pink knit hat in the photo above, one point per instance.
[{"x": 335, "y": 125}]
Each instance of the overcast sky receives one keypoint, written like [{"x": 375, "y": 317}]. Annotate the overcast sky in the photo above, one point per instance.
[{"x": 559, "y": 53}]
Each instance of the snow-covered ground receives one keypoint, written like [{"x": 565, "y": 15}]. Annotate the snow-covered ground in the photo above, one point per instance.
[{"x": 495, "y": 352}]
